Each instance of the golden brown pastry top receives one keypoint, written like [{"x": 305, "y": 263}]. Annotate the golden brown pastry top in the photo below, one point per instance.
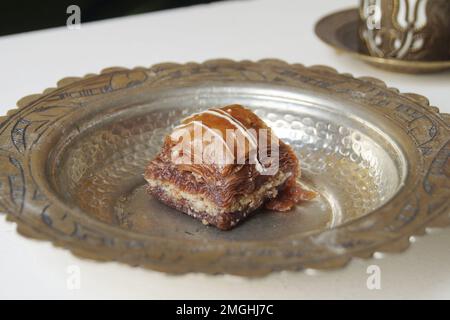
[
  {"x": 222, "y": 181},
  {"x": 224, "y": 137}
]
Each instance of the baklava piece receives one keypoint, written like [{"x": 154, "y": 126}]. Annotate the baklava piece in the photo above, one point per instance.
[{"x": 222, "y": 164}]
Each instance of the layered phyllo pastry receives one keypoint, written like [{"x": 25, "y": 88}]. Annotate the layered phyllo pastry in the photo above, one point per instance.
[{"x": 221, "y": 165}]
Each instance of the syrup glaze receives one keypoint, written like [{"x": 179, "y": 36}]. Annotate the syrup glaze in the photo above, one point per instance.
[{"x": 224, "y": 184}]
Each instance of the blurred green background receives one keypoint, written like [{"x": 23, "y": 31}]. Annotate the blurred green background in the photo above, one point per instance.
[{"x": 20, "y": 16}]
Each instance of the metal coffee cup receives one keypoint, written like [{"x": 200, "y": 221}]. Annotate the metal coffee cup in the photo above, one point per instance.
[{"x": 405, "y": 29}]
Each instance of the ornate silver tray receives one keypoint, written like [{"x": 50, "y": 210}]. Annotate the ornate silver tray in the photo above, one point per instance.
[{"x": 72, "y": 158}]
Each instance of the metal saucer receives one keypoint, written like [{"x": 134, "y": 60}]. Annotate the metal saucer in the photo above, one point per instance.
[{"x": 340, "y": 31}]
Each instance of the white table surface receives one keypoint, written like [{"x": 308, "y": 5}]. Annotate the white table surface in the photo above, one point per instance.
[{"x": 251, "y": 29}]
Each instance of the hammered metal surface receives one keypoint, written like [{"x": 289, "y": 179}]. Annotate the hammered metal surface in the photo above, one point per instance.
[{"x": 72, "y": 163}]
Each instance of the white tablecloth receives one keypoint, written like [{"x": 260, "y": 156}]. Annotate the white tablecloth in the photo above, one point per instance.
[{"x": 255, "y": 29}]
